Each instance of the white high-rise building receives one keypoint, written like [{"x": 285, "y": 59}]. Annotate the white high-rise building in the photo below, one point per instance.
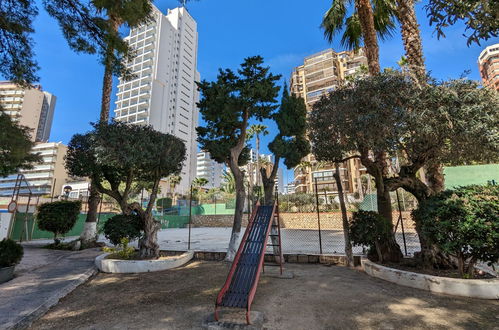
[
  {"x": 209, "y": 169},
  {"x": 163, "y": 93}
]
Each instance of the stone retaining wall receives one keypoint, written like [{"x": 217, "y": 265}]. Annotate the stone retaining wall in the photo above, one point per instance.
[{"x": 328, "y": 220}]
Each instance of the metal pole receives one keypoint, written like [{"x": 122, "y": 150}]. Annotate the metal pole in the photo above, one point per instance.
[
  {"x": 215, "y": 204},
  {"x": 401, "y": 221},
  {"x": 190, "y": 218},
  {"x": 249, "y": 204},
  {"x": 25, "y": 227},
  {"x": 318, "y": 216}
]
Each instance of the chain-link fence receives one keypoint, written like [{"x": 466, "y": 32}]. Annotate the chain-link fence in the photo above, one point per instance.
[{"x": 310, "y": 224}]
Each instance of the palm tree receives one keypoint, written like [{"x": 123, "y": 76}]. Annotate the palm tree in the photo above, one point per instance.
[
  {"x": 199, "y": 182},
  {"x": 229, "y": 182},
  {"x": 411, "y": 37},
  {"x": 116, "y": 13},
  {"x": 174, "y": 180},
  {"x": 371, "y": 17},
  {"x": 368, "y": 21},
  {"x": 131, "y": 13},
  {"x": 256, "y": 130}
]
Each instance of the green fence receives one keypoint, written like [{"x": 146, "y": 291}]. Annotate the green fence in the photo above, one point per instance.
[
  {"x": 24, "y": 226},
  {"x": 207, "y": 209}
]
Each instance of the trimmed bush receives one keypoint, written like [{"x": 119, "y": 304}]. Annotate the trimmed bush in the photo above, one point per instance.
[
  {"x": 11, "y": 253},
  {"x": 58, "y": 217},
  {"x": 463, "y": 223},
  {"x": 368, "y": 228},
  {"x": 123, "y": 226}
]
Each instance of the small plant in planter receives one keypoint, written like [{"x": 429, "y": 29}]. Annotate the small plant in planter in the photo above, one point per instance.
[
  {"x": 121, "y": 230},
  {"x": 464, "y": 223},
  {"x": 58, "y": 217},
  {"x": 11, "y": 254}
]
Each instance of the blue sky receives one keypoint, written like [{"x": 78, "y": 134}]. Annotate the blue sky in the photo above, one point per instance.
[{"x": 282, "y": 31}]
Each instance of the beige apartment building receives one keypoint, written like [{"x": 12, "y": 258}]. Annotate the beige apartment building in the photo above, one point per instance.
[
  {"x": 321, "y": 73},
  {"x": 31, "y": 107},
  {"x": 488, "y": 64},
  {"x": 45, "y": 178}
]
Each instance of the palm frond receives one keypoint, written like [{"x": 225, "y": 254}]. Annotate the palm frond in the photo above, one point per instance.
[
  {"x": 333, "y": 20},
  {"x": 352, "y": 36},
  {"x": 384, "y": 18}
]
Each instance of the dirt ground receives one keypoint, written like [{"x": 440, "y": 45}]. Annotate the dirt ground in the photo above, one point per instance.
[{"x": 318, "y": 297}]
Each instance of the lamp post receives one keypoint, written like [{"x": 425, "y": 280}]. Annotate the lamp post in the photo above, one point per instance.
[{"x": 67, "y": 190}]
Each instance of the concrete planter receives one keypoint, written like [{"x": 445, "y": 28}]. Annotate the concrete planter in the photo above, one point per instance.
[
  {"x": 6, "y": 274},
  {"x": 140, "y": 266},
  {"x": 473, "y": 288}
]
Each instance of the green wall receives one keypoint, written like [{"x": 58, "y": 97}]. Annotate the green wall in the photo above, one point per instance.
[
  {"x": 456, "y": 176},
  {"x": 32, "y": 232},
  {"x": 207, "y": 209}
]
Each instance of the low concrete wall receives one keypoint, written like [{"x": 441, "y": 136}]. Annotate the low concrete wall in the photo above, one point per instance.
[
  {"x": 140, "y": 266},
  {"x": 218, "y": 220},
  {"x": 473, "y": 288},
  {"x": 302, "y": 220}
]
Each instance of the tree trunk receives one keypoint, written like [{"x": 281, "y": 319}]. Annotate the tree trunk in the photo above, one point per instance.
[
  {"x": 411, "y": 37},
  {"x": 89, "y": 233},
  {"x": 435, "y": 177},
  {"x": 366, "y": 18},
  {"x": 258, "y": 181},
  {"x": 148, "y": 244},
  {"x": 238, "y": 214},
  {"x": 344, "y": 217},
  {"x": 107, "y": 84}
]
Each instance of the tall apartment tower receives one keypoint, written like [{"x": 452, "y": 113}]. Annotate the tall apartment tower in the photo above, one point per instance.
[
  {"x": 163, "y": 93},
  {"x": 488, "y": 64},
  {"x": 209, "y": 169},
  {"x": 30, "y": 107},
  {"x": 321, "y": 73}
]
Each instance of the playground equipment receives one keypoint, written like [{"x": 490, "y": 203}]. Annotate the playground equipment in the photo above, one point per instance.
[{"x": 240, "y": 287}]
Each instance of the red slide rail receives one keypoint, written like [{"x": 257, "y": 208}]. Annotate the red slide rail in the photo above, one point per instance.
[{"x": 236, "y": 261}]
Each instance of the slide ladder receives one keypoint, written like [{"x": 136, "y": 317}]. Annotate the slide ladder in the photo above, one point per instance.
[{"x": 240, "y": 287}]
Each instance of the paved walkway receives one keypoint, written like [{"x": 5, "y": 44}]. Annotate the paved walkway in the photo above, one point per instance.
[{"x": 42, "y": 278}]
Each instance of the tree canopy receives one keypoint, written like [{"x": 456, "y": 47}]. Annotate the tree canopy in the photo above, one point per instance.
[
  {"x": 15, "y": 146},
  {"x": 117, "y": 155},
  {"x": 229, "y": 102},
  {"x": 481, "y": 17},
  {"x": 450, "y": 122},
  {"x": 16, "y": 53}
]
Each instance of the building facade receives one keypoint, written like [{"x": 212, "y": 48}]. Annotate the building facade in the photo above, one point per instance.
[
  {"x": 31, "y": 107},
  {"x": 45, "y": 178},
  {"x": 488, "y": 64},
  {"x": 320, "y": 74},
  {"x": 163, "y": 93},
  {"x": 209, "y": 169}
]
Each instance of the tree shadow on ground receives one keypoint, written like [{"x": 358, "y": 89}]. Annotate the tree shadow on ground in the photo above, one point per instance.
[{"x": 318, "y": 297}]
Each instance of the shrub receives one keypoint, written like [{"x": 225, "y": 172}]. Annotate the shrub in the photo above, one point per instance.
[
  {"x": 368, "y": 228},
  {"x": 123, "y": 226},
  {"x": 58, "y": 217},
  {"x": 11, "y": 253},
  {"x": 463, "y": 223}
]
